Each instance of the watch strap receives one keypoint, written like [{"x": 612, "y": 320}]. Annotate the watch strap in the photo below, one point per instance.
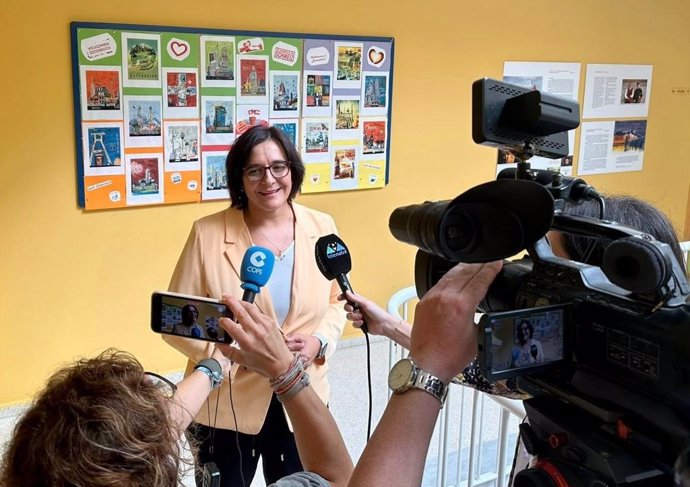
[
  {"x": 323, "y": 345},
  {"x": 420, "y": 379},
  {"x": 212, "y": 369}
]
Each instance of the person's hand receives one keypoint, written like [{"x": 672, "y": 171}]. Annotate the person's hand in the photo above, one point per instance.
[
  {"x": 379, "y": 321},
  {"x": 444, "y": 338},
  {"x": 305, "y": 345},
  {"x": 261, "y": 344}
]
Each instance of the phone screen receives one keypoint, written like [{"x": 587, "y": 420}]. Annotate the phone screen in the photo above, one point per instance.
[
  {"x": 521, "y": 342},
  {"x": 189, "y": 316}
]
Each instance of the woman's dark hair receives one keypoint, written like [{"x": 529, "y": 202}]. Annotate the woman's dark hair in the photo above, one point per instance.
[
  {"x": 187, "y": 312},
  {"x": 239, "y": 156},
  {"x": 521, "y": 337},
  {"x": 98, "y": 422},
  {"x": 628, "y": 211}
]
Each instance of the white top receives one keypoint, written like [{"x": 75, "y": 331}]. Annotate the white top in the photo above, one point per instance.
[{"x": 280, "y": 283}]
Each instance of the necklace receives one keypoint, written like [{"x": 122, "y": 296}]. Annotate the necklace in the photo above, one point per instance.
[{"x": 280, "y": 248}]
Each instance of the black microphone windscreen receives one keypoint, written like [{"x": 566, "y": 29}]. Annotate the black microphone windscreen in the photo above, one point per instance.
[{"x": 332, "y": 256}]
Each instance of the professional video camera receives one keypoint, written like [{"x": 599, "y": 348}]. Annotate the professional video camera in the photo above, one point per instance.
[{"x": 603, "y": 351}]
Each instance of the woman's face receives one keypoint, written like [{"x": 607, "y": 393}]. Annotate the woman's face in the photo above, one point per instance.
[{"x": 270, "y": 193}]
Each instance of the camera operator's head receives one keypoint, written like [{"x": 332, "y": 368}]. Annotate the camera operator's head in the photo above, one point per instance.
[
  {"x": 626, "y": 210},
  {"x": 99, "y": 421}
]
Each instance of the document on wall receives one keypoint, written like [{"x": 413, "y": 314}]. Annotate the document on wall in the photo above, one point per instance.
[
  {"x": 617, "y": 91},
  {"x": 611, "y": 146},
  {"x": 560, "y": 79}
]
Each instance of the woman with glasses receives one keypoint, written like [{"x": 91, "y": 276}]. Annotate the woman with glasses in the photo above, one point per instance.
[{"x": 265, "y": 172}]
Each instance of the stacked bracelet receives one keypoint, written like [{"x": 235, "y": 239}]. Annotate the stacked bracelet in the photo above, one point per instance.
[{"x": 292, "y": 381}]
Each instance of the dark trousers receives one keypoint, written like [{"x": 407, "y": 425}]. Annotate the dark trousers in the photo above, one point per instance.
[{"x": 274, "y": 443}]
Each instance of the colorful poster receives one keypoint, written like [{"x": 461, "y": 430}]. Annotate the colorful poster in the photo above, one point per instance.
[
  {"x": 317, "y": 140},
  {"x": 141, "y": 63},
  {"x": 144, "y": 181},
  {"x": 181, "y": 145},
  {"x": 344, "y": 168},
  {"x": 218, "y": 117},
  {"x": 253, "y": 79},
  {"x": 158, "y": 108},
  {"x": 375, "y": 94},
  {"x": 374, "y": 138},
  {"x": 317, "y": 94},
  {"x": 285, "y": 99},
  {"x": 347, "y": 113},
  {"x": 214, "y": 176},
  {"x": 144, "y": 125},
  {"x": 348, "y": 67},
  {"x": 182, "y": 93},
  {"x": 218, "y": 61},
  {"x": 250, "y": 115},
  {"x": 612, "y": 146},
  {"x": 290, "y": 127},
  {"x": 101, "y": 93},
  {"x": 102, "y": 148}
]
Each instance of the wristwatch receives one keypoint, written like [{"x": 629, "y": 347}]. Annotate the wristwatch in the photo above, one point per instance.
[
  {"x": 212, "y": 369},
  {"x": 405, "y": 375},
  {"x": 324, "y": 345}
]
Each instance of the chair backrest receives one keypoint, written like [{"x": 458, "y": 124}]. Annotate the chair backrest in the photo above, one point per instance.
[{"x": 685, "y": 247}]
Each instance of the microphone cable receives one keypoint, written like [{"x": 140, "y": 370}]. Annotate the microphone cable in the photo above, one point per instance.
[
  {"x": 237, "y": 433},
  {"x": 366, "y": 337}
]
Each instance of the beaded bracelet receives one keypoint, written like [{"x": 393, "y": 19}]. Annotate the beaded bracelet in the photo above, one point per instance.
[
  {"x": 295, "y": 367},
  {"x": 293, "y": 380},
  {"x": 295, "y": 388}
]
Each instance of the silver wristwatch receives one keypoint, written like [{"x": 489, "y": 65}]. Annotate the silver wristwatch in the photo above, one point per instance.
[
  {"x": 323, "y": 345},
  {"x": 405, "y": 375}
]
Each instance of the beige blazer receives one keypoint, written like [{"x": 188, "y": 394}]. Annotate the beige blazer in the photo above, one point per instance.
[{"x": 210, "y": 266}]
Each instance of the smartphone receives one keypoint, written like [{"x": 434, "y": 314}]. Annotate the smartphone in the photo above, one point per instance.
[
  {"x": 522, "y": 342},
  {"x": 189, "y": 316}
]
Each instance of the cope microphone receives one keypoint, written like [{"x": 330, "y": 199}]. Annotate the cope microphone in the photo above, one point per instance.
[
  {"x": 333, "y": 260},
  {"x": 257, "y": 266}
]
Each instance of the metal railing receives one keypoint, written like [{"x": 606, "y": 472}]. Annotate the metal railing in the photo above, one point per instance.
[{"x": 475, "y": 433}]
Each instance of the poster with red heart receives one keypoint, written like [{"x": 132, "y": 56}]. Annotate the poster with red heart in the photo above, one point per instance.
[{"x": 175, "y": 99}]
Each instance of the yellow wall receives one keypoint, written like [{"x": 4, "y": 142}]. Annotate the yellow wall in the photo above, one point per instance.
[{"x": 73, "y": 283}]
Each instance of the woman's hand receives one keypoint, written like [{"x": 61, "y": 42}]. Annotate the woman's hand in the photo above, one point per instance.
[
  {"x": 379, "y": 321},
  {"x": 261, "y": 344},
  {"x": 305, "y": 345}
]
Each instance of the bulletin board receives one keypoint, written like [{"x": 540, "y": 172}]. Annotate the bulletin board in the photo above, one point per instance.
[{"x": 157, "y": 108}]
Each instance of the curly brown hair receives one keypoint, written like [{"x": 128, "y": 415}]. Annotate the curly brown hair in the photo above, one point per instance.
[{"x": 98, "y": 422}]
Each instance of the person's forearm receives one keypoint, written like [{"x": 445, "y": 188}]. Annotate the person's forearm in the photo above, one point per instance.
[
  {"x": 400, "y": 332},
  {"x": 190, "y": 395},
  {"x": 396, "y": 452},
  {"x": 319, "y": 442}
]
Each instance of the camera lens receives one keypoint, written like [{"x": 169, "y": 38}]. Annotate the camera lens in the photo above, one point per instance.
[{"x": 421, "y": 225}]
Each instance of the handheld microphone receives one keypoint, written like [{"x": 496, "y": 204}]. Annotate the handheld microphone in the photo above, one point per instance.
[
  {"x": 257, "y": 266},
  {"x": 333, "y": 260}
]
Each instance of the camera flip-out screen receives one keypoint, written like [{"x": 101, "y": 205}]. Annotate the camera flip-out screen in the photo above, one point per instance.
[{"x": 522, "y": 342}]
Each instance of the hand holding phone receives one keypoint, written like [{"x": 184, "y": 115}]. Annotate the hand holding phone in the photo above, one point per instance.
[{"x": 189, "y": 316}]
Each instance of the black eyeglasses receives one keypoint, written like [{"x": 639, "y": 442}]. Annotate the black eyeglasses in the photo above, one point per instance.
[{"x": 279, "y": 169}]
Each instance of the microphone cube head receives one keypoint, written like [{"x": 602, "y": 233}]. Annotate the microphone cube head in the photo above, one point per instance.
[
  {"x": 332, "y": 256},
  {"x": 257, "y": 266}
]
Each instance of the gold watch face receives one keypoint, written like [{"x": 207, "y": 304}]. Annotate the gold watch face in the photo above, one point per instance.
[{"x": 400, "y": 374}]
